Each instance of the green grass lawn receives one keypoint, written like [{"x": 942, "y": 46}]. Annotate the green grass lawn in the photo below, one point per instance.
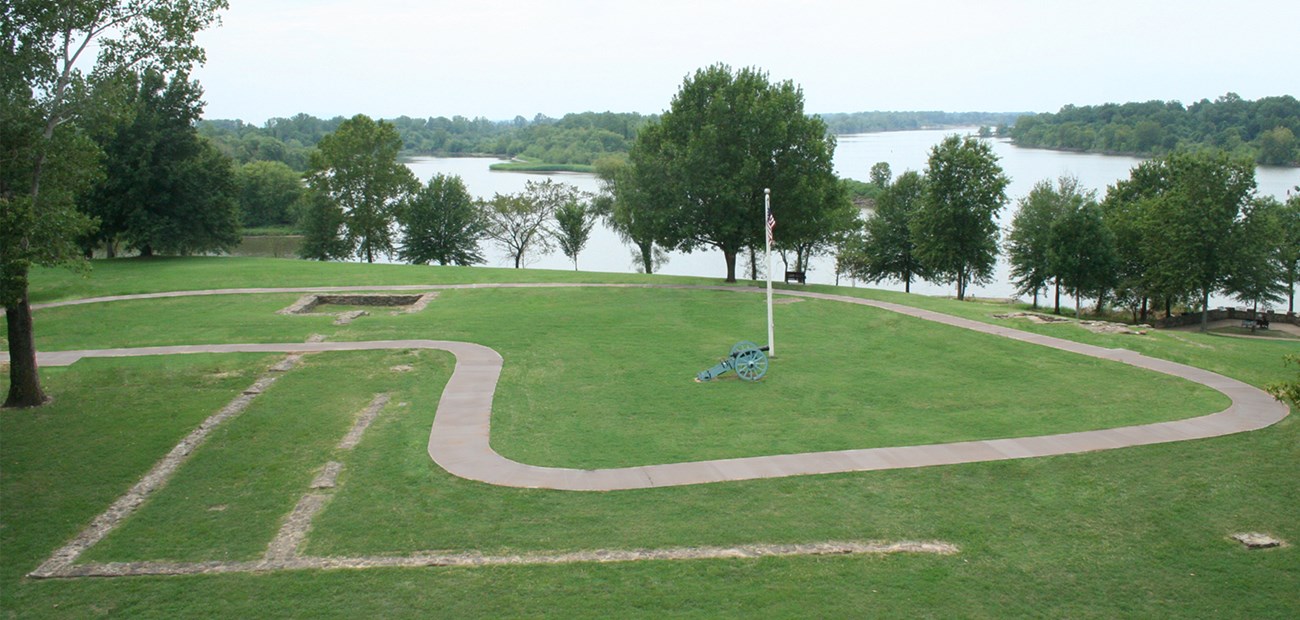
[{"x": 598, "y": 377}]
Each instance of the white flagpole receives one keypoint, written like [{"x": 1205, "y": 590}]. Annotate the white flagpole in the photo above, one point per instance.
[{"x": 767, "y": 234}]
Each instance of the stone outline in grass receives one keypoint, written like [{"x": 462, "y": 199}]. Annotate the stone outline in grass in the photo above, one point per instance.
[{"x": 404, "y": 304}]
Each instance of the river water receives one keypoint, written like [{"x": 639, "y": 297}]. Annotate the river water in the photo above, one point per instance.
[{"x": 854, "y": 156}]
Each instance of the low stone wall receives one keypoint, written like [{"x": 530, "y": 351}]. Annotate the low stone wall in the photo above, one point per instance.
[{"x": 1230, "y": 314}]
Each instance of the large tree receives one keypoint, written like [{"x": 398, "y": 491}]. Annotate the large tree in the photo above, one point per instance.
[
  {"x": 956, "y": 228},
  {"x": 725, "y": 138},
  {"x": 1081, "y": 252},
  {"x": 1289, "y": 217},
  {"x": 1256, "y": 274},
  {"x": 887, "y": 250},
  {"x": 442, "y": 224},
  {"x": 166, "y": 189},
  {"x": 47, "y": 159},
  {"x": 1028, "y": 240},
  {"x": 1192, "y": 200},
  {"x": 356, "y": 168}
]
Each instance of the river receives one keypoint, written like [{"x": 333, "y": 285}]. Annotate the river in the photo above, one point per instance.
[{"x": 854, "y": 156}]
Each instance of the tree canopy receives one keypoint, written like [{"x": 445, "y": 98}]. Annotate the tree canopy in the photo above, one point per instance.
[
  {"x": 1265, "y": 130},
  {"x": 48, "y": 159},
  {"x": 956, "y": 230},
  {"x": 703, "y": 167},
  {"x": 356, "y": 168},
  {"x": 887, "y": 250}
]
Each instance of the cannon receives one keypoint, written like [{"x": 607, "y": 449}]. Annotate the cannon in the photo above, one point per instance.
[{"x": 746, "y": 358}]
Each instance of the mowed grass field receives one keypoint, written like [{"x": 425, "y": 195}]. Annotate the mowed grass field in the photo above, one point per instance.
[{"x": 602, "y": 377}]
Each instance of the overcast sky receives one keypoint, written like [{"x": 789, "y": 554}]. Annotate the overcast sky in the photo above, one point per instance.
[{"x": 502, "y": 58}]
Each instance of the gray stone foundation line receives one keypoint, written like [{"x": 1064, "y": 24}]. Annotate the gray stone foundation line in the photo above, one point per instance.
[
  {"x": 157, "y": 476},
  {"x": 294, "y": 531},
  {"x": 434, "y": 559},
  {"x": 328, "y": 476},
  {"x": 363, "y": 422}
]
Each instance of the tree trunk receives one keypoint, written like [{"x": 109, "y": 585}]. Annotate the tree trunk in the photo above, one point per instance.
[
  {"x": 146, "y": 251},
  {"x": 907, "y": 282},
  {"x": 519, "y": 258},
  {"x": 647, "y": 256},
  {"x": 1205, "y": 310},
  {"x": 1078, "y": 310},
  {"x": 1144, "y": 308},
  {"x": 753, "y": 264},
  {"x": 24, "y": 380},
  {"x": 730, "y": 257},
  {"x": 1057, "y": 283},
  {"x": 1035, "y": 299},
  {"x": 1169, "y": 307}
]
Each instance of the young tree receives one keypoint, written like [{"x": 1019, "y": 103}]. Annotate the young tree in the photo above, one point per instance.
[
  {"x": 888, "y": 251},
  {"x": 517, "y": 222},
  {"x": 955, "y": 230},
  {"x": 573, "y": 223},
  {"x": 166, "y": 189},
  {"x": 881, "y": 175},
  {"x": 442, "y": 224},
  {"x": 48, "y": 161},
  {"x": 268, "y": 193},
  {"x": 1027, "y": 243},
  {"x": 726, "y": 137},
  {"x": 1081, "y": 252},
  {"x": 357, "y": 168}
]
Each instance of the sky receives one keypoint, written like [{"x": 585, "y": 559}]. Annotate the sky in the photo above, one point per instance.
[{"x": 504, "y": 58}]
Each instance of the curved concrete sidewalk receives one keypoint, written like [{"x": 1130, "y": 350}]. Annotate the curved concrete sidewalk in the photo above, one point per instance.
[{"x": 459, "y": 438}]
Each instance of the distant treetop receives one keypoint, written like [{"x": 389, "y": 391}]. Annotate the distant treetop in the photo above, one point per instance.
[{"x": 1266, "y": 130}]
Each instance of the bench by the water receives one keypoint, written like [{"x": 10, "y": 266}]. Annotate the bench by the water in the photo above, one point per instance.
[{"x": 797, "y": 276}]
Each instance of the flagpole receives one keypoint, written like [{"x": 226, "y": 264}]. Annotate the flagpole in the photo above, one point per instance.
[{"x": 767, "y": 228}]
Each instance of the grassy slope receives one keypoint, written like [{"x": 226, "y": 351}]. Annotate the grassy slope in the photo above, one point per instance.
[{"x": 1138, "y": 532}]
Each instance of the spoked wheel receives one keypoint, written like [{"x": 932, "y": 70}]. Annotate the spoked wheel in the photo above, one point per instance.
[
  {"x": 751, "y": 364},
  {"x": 743, "y": 345}
]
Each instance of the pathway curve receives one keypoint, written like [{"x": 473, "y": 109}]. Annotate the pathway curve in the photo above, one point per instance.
[{"x": 459, "y": 438}]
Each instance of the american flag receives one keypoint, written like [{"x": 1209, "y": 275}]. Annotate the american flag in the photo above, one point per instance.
[{"x": 771, "y": 223}]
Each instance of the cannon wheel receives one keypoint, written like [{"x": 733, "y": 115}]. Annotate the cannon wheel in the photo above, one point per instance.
[
  {"x": 751, "y": 364},
  {"x": 743, "y": 345}
]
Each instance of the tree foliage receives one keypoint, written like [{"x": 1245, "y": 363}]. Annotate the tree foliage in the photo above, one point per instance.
[
  {"x": 442, "y": 224},
  {"x": 887, "y": 250},
  {"x": 167, "y": 189},
  {"x": 573, "y": 223},
  {"x": 622, "y": 207},
  {"x": 269, "y": 192},
  {"x": 48, "y": 159},
  {"x": 518, "y": 222},
  {"x": 1264, "y": 130},
  {"x": 956, "y": 231},
  {"x": 703, "y": 167},
  {"x": 1081, "y": 252},
  {"x": 356, "y": 168},
  {"x": 1028, "y": 241},
  {"x": 1256, "y": 274}
]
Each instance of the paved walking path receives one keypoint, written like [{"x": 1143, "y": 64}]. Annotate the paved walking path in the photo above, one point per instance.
[{"x": 459, "y": 438}]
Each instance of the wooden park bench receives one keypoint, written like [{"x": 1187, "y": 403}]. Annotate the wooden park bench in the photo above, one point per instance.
[{"x": 797, "y": 276}]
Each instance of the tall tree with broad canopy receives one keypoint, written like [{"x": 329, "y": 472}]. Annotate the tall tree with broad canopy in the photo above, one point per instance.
[
  {"x": 1193, "y": 200},
  {"x": 167, "y": 189},
  {"x": 1028, "y": 241},
  {"x": 1081, "y": 252},
  {"x": 356, "y": 168},
  {"x": 888, "y": 251},
  {"x": 442, "y": 224},
  {"x": 48, "y": 160},
  {"x": 956, "y": 228},
  {"x": 703, "y": 166}
]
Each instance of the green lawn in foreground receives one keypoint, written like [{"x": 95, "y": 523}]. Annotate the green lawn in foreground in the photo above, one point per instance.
[{"x": 1138, "y": 532}]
